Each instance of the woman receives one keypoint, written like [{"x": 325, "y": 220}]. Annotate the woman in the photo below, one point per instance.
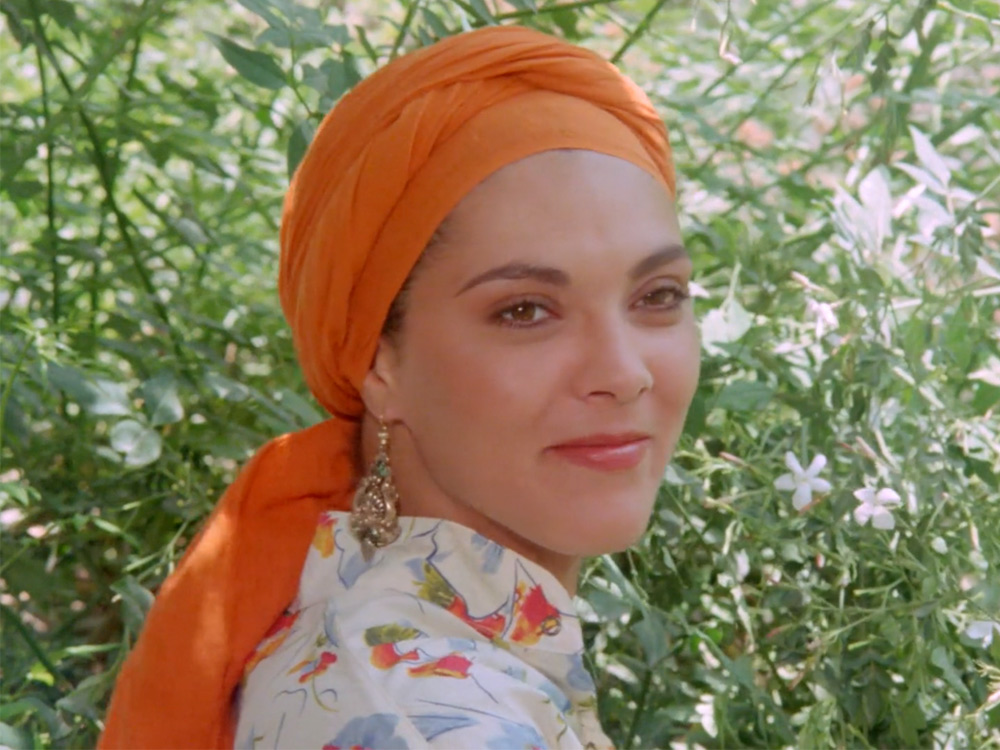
[{"x": 482, "y": 269}]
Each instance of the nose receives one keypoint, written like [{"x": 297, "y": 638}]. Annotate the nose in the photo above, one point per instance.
[{"x": 613, "y": 363}]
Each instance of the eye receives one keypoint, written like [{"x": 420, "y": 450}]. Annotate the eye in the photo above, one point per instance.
[
  {"x": 665, "y": 297},
  {"x": 523, "y": 314}
]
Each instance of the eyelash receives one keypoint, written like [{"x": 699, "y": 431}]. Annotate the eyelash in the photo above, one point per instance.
[{"x": 679, "y": 294}]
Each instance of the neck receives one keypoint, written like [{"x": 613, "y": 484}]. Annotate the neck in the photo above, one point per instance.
[
  {"x": 422, "y": 501},
  {"x": 565, "y": 568}
]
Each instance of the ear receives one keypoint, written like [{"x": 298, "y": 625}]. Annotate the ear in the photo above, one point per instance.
[{"x": 379, "y": 389}]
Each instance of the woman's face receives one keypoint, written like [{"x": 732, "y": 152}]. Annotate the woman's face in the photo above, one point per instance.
[{"x": 547, "y": 358}]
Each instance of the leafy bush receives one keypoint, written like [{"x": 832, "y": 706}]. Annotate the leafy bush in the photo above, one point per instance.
[{"x": 839, "y": 186}]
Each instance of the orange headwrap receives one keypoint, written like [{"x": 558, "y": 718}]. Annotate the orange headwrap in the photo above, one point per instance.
[{"x": 385, "y": 168}]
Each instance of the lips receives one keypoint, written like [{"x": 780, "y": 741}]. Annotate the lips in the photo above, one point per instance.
[{"x": 605, "y": 452}]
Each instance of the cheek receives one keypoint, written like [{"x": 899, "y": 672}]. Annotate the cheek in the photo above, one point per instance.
[
  {"x": 675, "y": 367},
  {"x": 464, "y": 382}
]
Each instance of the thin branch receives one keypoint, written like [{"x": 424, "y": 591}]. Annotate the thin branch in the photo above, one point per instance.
[
  {"x": 23, "y": 153},
  {"x": 50, "y": 204},
  {"x": 638, "y": 31},
  {"x": 548, "y": 9},
  {"x": 107, "y": 182},
  {"x": 404, "y": 28}
]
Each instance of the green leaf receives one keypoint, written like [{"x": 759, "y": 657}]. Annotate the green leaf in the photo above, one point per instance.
[
  {"x": 855, "y": 58},
  {"x": 139, "y": 444},
  {"x": 15, "y": 739},
  {"x": 481, "y": 11},
  {"x": 435, "y": 23},
  {"x": 32, "y": 705},
  {"x": 225, "y": 388},
  {"x": 21, "y": 189},
  {"x": 929, "y": 157},
  {"x": 99, "y": 396},
  {"x": 724, "y": 325},
  {"x": 922, "y": 176},
  {"x": 163, "y": 405},
  {"x": 22, "y": 494},
  {"x": 136, "y": 601},
  {"x": 565, "y": 19},
  {"x": 304, "y": 39},
  {"x": 257, "y": 67},
  {"x": 86, "y": 698},
  {"x": 266, "y": 10},
  {"x": 653, "y": 637},
  {"x": 331, "y": 79},
  {"x": 298, "y": 143},
  {"x": 190, "y": 230},
  {"x": 876, "y": 198},
  {"x": 744, "y": 395},
  {"x": 370, "y": 51},
  {"x": 941, "y": 660},
  {"x": 63, "y": 13},
  {"x": 304, "y": 410}
]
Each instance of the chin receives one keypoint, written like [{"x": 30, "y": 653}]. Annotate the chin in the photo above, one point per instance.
[{"x": 604, "y": 536}]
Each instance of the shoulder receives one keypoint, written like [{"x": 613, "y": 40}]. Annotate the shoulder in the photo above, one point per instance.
[{"x": 392, "y": 685}]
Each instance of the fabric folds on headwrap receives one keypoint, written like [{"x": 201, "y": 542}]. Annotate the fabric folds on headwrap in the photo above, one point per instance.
[{"x": 386, "y": 166}]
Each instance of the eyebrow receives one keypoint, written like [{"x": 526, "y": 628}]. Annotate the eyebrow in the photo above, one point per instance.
[{"x": 556, "y": 277}]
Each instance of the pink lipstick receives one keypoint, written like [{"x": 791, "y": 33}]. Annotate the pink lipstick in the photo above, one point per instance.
[{"x": 617, "y": 452}]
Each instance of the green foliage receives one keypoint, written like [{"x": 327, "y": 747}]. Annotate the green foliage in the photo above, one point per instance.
[{"x": 838, "y": 183}]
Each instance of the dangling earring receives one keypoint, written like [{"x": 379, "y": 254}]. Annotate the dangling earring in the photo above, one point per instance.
[{"x": 374, "y": 520}]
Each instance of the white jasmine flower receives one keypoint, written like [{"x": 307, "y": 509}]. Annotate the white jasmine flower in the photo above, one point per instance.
[
  {"x": 939, "y": 545},
  {"x": 826, "y": 318},
  {"x": 875, "y": 506},
  {"x": 982, "y": 631},
  {"x": 742, "y": 565},
  {"x": 803, "y": 482},
  {"x": 705, "y": 710}
]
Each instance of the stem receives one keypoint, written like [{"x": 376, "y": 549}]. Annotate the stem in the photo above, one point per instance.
[
  {"x": 9, "y": 385},
  {"x": 33, "y": 645},
  {"x": 638, "y": 31},
  {"x": 647, "y": 680},
  {"x": 404, "y": 28},
  {"x": 551, "y": 9},
  {"x": 777, "y": 81},
  {"x": 107, "y": 179},
  {"x": 50, "y": 205},
  {"x": 17, "y": 160}
]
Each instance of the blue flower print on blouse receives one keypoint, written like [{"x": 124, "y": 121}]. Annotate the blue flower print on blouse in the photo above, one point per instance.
[
  {"x": 430, "y": 726},
  {"x": 492, "y": 552},
  {"x": 370, "y": 732},
  {"x": 517, "y": 737}
]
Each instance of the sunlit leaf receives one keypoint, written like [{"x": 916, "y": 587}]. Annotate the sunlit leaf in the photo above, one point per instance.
[
  {"x": 257, "y": 67},
  {"x": 482, "y": 12},
  {"x": 297, "y": 144},
  {"x": 98, "y": 396},
  {"x": 877, "y": 200},
  {"x": 653, "y": 637},
  {"x": 744, "y": 396},
  {"x": 929, "y": 158},
  {"x": 724, "y": 325},
  {"x": 163, "y": 405},
  {"x": 139, "y": 444},
  {"x": 136, "y": 601},
  {"x": 225, "y": 388}
]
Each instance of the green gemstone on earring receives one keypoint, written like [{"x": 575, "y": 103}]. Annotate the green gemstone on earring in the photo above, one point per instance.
[{"x": 381, "y": 469}]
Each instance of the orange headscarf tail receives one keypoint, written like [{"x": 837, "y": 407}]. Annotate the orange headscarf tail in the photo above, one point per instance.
[{"x": 385, "y": 168}]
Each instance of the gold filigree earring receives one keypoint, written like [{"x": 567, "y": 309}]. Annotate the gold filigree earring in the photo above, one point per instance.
[{"x": 374, "y": 513}]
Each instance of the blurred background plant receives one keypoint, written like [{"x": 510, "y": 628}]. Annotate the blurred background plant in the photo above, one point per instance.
[{"x": 822, "y": 569}]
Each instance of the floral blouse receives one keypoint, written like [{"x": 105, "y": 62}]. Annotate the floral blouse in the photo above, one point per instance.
[{"x": 444, "y": 640}]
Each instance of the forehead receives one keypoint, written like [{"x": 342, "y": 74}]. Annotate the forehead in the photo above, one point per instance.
[{"x": 560, "y": 208}]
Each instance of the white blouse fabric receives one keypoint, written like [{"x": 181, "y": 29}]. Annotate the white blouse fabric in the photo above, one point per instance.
[{"x": 444, "y": 640}]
